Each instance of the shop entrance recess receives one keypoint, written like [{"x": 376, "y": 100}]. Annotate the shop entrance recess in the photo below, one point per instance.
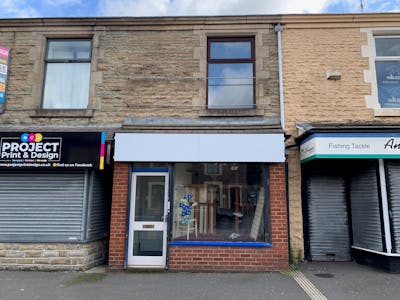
[{"x": 148, "y": 220}]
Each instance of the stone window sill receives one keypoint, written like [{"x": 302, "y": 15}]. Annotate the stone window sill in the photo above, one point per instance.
[
  {"x": 63, "y": 113},
  {"x": 231, "y": 112}
]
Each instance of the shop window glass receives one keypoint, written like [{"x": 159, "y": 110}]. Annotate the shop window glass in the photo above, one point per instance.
[
  {"x": 66, "y": 84},
  {"x": 230, "y": 73},
  {"x": 387, "y": 65},
  {"x": 226, "y": 204}
]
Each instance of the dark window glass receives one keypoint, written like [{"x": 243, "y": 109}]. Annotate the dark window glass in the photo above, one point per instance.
[{"x": 388, "y": 80}]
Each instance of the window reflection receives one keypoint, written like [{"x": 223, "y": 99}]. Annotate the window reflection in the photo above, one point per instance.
[
  {"x": 231, "y": 73},
  {"x": 230, "y": 85},
  {"x": 227, "y": 205},
  {"x": 387, "y": 46},
  {"x": 226, "y": 50}
]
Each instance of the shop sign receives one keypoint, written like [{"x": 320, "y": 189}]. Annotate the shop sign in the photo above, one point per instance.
[
  {"x": 152, "y": 147},
  {"x": 350, "y": 145},
  {"x": 52, "y": 150},
  {"x": 4, "y": 56}
]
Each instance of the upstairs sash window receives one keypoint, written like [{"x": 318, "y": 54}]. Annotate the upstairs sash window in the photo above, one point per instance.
[
  {"x": 66, "y": 84},
  {"x": 231, "y": 73}
]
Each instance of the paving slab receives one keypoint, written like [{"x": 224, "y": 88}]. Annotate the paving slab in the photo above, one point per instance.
[
  {"x": 18, "y": 285},
  {"x": 351, "y": 281}
]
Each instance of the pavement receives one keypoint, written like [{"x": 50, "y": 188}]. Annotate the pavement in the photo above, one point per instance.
[{"x": 306, "y": 281}]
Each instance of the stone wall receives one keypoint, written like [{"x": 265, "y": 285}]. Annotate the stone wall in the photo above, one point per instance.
[
  {"x": 137, "y": 70},
  {"x": 313, "y": 45},
  {"x": 52, "y": 256}
]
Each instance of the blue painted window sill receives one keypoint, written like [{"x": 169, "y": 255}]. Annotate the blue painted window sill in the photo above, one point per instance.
[{"x": 220, "y": 244}]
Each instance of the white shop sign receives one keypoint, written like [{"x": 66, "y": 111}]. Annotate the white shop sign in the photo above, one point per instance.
[
  {"x": 350, "y": 145},
  {"x": 147, "y": 147}
]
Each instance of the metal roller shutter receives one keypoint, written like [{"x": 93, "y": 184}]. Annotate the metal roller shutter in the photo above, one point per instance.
[
  {"x": 98, "y": 208},
  {"x": 328, "y": 220},
  {"x": 365, "y": 211},
  {"x": 393, "y": 172},
  {"x": 41, "y": 206}
]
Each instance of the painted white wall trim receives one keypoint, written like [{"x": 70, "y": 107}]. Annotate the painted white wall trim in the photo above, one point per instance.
[{"x": 385, "y": 207}]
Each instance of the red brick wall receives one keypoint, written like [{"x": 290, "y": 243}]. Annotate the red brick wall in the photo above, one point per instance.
[
  {"x": 118, "y": 216},
  {"x": 243, "y": 258},
  {"x": 208, "y": 258}
]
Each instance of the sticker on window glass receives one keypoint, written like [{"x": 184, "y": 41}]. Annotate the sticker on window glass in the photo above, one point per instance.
[{"x": 388, "y": 79}]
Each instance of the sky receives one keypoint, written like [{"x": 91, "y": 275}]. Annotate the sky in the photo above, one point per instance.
[{"x": 141, "y": 8}]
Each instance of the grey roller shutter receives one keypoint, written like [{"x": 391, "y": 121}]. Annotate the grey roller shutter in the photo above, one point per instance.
[
  {"x": 98, "y": 220},
  {"x": 327, "y": 219},
  {"x": 393, "y": 172},
  {"x": 366, "y": 219},
  {"x": 41, "y": 206}
]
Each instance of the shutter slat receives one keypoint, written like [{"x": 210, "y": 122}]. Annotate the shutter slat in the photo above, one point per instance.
[
  {"x": 393, "y": 179},
  {"x": 366, "y": 220},
  {"x": 98, "y": 211},
  {"x": 37, "y": 206},
  {"x": 328, "y": 222}
]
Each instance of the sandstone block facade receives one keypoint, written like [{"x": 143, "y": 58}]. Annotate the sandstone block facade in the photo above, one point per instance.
[
  {"x": 139, "y": 68},
  {"x": 50, "y": 257},
  {"x": 313, "y": 45}
]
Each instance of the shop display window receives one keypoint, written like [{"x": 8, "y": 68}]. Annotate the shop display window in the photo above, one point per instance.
[{"x": 218, "y": 202}]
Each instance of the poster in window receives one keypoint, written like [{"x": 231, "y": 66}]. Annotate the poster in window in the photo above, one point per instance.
[
  {"x": 4, "y": 56},
  {"x": 388, "y": 79}
]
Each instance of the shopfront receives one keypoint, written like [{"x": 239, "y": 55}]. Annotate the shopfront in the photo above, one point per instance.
[
  {"x": 351, "y": 196},
  {"x": 53, "y": 200},
  {"x": 200, "y": 201}
]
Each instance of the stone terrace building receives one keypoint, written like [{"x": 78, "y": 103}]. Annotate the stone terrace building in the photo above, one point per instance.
[
  {"x": 179, "y": 117},
  {"x": 341, "y": 90}
]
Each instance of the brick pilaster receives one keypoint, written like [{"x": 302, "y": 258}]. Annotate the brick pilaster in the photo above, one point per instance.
[{"x": 118, "y": 216}]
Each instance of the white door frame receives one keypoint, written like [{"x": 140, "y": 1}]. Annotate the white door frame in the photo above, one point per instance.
[{"x": 147, "y": 261}]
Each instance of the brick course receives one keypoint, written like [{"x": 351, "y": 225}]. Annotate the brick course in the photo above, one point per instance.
[
  {"x": 119, "y": 208},
  {"x": 208, "y": 258}
]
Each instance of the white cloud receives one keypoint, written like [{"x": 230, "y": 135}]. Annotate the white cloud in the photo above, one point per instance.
[
  {"x": 63, "y": 2},
  {"x": 206, "y": 7},
  {"x": 133, "y": 8},
  {"x": 16, "y": 9}
]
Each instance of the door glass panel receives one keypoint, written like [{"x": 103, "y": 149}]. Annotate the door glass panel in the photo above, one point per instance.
[
  {"x": 148, "y": 243},
  {"x": 149, "y": 204}
]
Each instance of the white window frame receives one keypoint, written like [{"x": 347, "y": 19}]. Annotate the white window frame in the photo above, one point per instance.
[
  {"x": 368, "y": 51},
  {"x": 68, "y": 61},
  {"x": 384, "y": 58}
]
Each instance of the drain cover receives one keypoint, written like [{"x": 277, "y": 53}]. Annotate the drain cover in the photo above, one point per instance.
[{"x": 324, "y": 275}]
